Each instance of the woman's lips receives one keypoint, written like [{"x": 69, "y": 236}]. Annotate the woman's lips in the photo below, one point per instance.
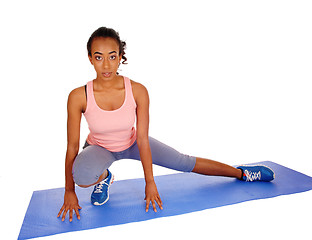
[{"x": 107, "y": 74}]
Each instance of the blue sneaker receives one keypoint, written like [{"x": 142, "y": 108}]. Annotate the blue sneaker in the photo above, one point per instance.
[
  {"x": 256, "y": 173},
  {"x": 100, "y": 194}
]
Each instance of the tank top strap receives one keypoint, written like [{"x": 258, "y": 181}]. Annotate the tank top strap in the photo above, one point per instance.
[
  {"x": 90, "y": 96},
  {"x": 128, "y": 89},
  {"x": 89, "y": 90}
]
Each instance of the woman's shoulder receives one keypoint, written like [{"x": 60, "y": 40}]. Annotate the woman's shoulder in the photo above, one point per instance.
[
  {"x": 77, "y": 92},
  {"x": 139, "y": 90},
  {"x": 78, "y": 97},
  {"x": 138, "y": 87}
]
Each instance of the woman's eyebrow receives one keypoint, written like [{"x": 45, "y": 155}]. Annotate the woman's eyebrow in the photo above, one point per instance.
[
  {"x": 98, "y": 53},
  {"x": 102, "y": 53}
]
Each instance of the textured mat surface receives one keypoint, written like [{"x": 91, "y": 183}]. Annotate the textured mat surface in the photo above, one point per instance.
[{"x": 181, "y": 193}]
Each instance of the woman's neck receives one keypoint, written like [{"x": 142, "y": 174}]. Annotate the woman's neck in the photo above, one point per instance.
[{"x": 110, "y": 83}]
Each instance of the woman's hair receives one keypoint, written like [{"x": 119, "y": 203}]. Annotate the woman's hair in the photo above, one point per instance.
[{"x": 108, "y": 33}]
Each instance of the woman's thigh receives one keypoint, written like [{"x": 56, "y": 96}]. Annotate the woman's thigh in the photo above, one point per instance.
[
  {"x": 165, "y": 156},
  {"x": 90, "y": 163}
]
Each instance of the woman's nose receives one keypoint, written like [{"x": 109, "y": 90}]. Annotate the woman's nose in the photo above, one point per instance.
[{"x": 105, "y": 64}]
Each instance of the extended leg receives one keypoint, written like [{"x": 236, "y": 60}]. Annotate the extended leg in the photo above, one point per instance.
[
  {"x": 166, "y": 156},
  {"x": 210, "y": 167}
]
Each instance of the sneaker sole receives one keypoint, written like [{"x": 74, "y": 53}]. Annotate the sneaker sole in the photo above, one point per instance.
[{"x": 110, "y": 183}]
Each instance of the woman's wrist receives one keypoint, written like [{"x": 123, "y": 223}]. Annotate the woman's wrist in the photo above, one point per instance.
[
  {"x": 69, "y": 189},
  {"x": 149, "y": 180},
  {"x": 70, "y": 186}
]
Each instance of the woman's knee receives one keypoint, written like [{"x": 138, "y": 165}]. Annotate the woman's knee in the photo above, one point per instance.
[
  {"x": 168, "y": 157},
  {"x": 83, "y": 175},
  {"x": 90, "y": 164}
]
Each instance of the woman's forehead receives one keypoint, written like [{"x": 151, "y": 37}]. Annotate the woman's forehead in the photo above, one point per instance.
[{"x": 104, "y": 45}]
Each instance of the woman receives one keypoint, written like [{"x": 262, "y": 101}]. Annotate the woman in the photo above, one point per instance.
[{"x": 111, "y": 104}]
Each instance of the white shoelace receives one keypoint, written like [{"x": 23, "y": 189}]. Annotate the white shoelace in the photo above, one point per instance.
[
  {"x": 99, "y": 186},
  {"x": 251, "y": 176}
]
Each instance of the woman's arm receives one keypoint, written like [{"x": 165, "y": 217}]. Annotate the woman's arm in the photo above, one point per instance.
[
  {"x": 142, "y": 101},
  {"x": 75, "y": 107}
]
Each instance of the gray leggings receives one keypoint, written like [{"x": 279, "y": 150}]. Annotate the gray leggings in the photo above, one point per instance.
[{"x": 93, "y": 160}]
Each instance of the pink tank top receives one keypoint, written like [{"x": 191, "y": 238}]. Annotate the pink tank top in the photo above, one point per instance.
[{"x": 113, "y": 130}]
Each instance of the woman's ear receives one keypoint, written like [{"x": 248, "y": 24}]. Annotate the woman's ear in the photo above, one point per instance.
[{"x": 90, "y": 59}]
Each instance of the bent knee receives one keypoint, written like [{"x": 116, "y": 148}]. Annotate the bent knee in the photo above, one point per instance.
[
  {"x": 84, "y": 174},
  {"x": 90, "y": 164},
  {"x": 84, "y": 178}
]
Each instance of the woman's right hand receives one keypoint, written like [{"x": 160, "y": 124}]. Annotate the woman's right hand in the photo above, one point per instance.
[{"x": 70, "y": 204}]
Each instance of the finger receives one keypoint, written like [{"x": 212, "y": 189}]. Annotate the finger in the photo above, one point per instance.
[
  {"x": 154, "y": 206},
  {"x": 64, "y": 214},
  {"x": 158, "y": 200},
  {"x": 60, "y": 212},
  {"x": 70, "y": 215},
  {"x": 77, "y": 213},
  {"x": 147, "y": 205},
  {"x": 79, "y": 207}
]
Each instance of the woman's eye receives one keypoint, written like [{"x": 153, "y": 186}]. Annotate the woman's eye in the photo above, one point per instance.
[
  {"x": 112, "y": 57},
  {"x": 98, "y": 58}
]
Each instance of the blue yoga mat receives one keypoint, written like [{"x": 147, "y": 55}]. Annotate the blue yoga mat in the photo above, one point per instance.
[{"x": 181, "y": 193}]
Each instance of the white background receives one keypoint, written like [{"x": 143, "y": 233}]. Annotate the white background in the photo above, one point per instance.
[{"x": 228, "y": 80}]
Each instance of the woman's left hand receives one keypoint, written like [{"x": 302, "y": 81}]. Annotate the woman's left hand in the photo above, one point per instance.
[{"x": 152, "y": 195}]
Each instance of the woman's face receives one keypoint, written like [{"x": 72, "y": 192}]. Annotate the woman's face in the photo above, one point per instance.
[{"x": 105, "y": 57}]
